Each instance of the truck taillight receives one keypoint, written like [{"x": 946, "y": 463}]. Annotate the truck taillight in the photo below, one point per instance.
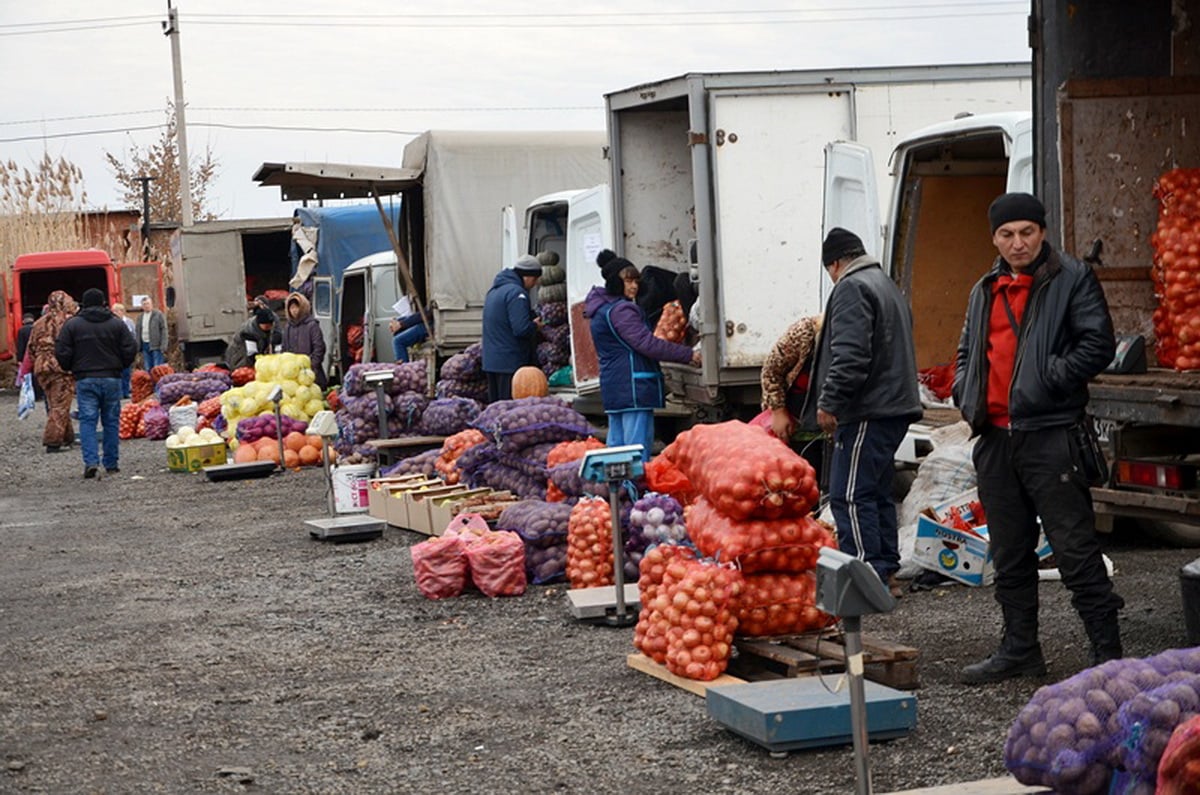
[{"x": 1151, "y": 475}]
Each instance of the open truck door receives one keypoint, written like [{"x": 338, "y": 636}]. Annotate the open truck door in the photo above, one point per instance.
[
  {"x": 851, "y": 200},
  {"x": 1020, "y": 158},
  {"x": 510, "y": 237},
  {"x": 138, "y": 279},
  {"x": 589, "y": 231}
]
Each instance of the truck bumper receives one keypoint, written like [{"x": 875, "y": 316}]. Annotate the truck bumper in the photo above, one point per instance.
[{"x": 1146, "y": 505}]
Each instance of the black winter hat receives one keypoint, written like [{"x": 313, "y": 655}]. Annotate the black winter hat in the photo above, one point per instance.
[
  {"x": 93, "y": 297},
  {"x": 264, "y": 316},
  {"x": 610, "y": 268},
  {"x": 1016, "y": 207},
  {"x": 839, "y": 244}
]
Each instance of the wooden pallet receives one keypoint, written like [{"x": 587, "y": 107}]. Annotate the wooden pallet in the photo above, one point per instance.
[
  {"x": 891, "y": 664},
  {"x": 640, "y": 662}
]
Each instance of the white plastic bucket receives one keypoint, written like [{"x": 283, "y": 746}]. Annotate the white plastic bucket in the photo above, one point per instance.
[{"x": 350, "y": 487}]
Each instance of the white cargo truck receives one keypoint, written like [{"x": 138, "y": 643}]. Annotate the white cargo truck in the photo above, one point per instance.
[{"x": 720, "y": 175}]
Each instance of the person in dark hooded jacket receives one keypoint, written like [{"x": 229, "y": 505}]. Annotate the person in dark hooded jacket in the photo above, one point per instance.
[
  {"x": 95, "y": 346},
  {"x": 631, "y": 383},
  {"x": 510, "y": 332},
  {"x": 257, "y": 335},
  {"x": 302, "y": 334}
]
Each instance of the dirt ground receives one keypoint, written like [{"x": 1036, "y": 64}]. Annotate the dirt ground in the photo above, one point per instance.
[{"x": 167, "y": 634}]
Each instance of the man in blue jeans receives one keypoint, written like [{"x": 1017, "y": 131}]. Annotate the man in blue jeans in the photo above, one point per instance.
[{"x": 95, "y": 346}]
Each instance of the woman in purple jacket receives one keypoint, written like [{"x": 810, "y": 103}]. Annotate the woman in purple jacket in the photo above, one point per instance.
[
  {"x": 302, "y": 334},
  {"x": 631, "y": 383}
]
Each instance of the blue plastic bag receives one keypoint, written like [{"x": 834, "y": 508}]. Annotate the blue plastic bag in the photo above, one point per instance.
[{"x": 26, "y": 400}]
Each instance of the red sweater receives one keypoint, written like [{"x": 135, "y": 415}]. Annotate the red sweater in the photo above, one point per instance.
[{"x": 1002, "y": 342}]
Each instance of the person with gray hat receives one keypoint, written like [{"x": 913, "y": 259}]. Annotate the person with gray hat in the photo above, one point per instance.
[
  {"x": 863, "y": 394},
  {"x": 510, "y": 328},
  {"x": 95, "y": 346},
  {"x": 1037, "y": 330}
]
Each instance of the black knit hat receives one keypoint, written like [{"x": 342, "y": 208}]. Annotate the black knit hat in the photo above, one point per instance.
[
  {"x": 611, "y": 267},
  {"x": 839, "y": 244},
  {"x": 1016, "y": 207},
  {"x": 93, "y": 297},
  {"x": 264, "y": 316}
]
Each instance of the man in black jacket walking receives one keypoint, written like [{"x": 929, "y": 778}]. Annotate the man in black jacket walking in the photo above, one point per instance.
[
  {"x": 95, "y": 346},
  {"x": 864, "y": 394},
  {"x": 1037, "y": 330}
]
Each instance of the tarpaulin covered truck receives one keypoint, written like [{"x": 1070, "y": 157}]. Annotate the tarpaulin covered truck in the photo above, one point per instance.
[
  {"x": 452, "y": 186},
  {"x": 1116, "y": 104}
]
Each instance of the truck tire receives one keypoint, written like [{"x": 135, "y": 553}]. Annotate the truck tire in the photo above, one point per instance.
[{"x": 1177, "y": 534}]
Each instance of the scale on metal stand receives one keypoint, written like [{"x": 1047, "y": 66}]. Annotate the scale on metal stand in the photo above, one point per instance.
[
  {"x": 352, "y": 527},
  {"x": 788, "y": 714},
  {"x": 254, "y": 469},
  {"x": 616, "y": 605}
]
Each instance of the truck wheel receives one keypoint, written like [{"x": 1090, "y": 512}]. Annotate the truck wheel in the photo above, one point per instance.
[{"x": 1179, "y": 534}]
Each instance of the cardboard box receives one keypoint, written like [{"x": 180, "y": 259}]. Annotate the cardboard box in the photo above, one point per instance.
[
  {"x": 378, "y": 489},
  {"x": 195, "y": 457},
  {"x": 396, "y": 512},
  {"x": 445, "y": 507},
  {"x": 419, "y": 501},
  {"x": 957, "y": 554}
]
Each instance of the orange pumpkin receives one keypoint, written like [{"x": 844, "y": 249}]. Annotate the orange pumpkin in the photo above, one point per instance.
[
  {"x": 245, "y": 454},
  {"x": 294, "y": 441},
  {"x": 529, "y": 382}
]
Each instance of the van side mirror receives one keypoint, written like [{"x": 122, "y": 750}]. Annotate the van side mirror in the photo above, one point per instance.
[{"x": 170, "y": 297}]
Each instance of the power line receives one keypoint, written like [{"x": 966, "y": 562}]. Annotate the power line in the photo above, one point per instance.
[
  {"x": 143, "y": 17},
  {"x": 68, "y": 30},
  {"x": 80, "y": 133}
]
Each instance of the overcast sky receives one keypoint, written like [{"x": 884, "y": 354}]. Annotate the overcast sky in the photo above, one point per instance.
[{"x": 353, "y": 81}]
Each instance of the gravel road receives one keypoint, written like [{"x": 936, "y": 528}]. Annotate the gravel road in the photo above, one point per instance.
[{"x": 167, "y": 634}]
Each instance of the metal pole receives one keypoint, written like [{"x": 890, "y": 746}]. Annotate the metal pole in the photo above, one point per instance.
[
  {"x": 171, "y": 30},
  {"x": 279, "y": 434},
  {"x": 381, "y": 410},
  {"x": 620, "y": 617},
  {"x": 328, "y": 477},
  {"x": 858, "y": 703},
  {"x": 145, "y": 216}
]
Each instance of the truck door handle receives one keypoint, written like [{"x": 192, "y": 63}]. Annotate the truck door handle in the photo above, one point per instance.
[{"x": 229, "y": 312}]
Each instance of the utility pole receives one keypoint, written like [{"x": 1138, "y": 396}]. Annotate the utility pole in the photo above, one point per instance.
[
  {"x": 145, "y": 216},
  {"x": 171, "y": 30}
]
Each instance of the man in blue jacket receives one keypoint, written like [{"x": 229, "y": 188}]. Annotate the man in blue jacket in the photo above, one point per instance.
[
  {"x": 864, "y": 394},
  {"x": 510, "y": 331},
  {"x": 1037, "y": 330}
]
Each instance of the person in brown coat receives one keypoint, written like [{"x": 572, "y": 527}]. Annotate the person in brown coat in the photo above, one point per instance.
[
  {"x": 58, "y": 385},
  {"x": 785, "y": 374}
]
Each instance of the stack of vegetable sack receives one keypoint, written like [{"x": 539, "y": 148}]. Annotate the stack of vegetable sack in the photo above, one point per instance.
[
  {"x": 543, "y": 528},
  {"x": 1176, "y": 270},
  {"x": 462, "y": 375},
  {"x": 554, "y": 351},
  {"x": 292, "y": 372},
  {"x": 753, "y": 511},
  {"x": 358, "y": 415}
]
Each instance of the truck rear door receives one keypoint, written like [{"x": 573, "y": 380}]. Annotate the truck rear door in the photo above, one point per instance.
[
  {"x": 138, "y": 278},
  {"x": 212, "y": 286},
  {"x": 589, "y": 230},
  {"x": 851, "y": 199},
  {"x": 767, "y": 156}
]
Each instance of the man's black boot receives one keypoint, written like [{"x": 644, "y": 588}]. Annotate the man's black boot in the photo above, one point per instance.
[
  {"x": 1019, "y": 654},
  {"x": 1105, "y": 636}
]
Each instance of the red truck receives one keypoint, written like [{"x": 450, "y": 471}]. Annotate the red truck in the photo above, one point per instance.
[{"x": 35, "y": 276}]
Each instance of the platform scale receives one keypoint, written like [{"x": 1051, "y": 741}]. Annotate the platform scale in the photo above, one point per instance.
[
  {"x": 804, "y": 712},
  {"x": 616, "y": 605},
  {"x": 335, "y": 528},
  {"x": 254, "y": 469}
]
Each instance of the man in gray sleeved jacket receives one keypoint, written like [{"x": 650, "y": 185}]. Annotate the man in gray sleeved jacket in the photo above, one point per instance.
[
  {"x": 864, "y": 394},
  {"x": 1037, "y": 330}
]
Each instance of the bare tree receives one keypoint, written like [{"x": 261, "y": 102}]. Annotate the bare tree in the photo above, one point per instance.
[{"x": 160, "y": 160}]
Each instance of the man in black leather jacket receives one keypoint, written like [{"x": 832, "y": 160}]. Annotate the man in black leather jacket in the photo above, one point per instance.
[
  {"x": 863, "y": 393},
  {"x": 1037, "y": 330}
]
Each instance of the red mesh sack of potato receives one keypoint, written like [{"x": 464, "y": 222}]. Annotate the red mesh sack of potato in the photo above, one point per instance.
[
  {"x": 130, "y": 420},
  {"x": 158, "y": 371},
  {"x": 661, "y": 568},
  {"x": 780, "y": 604},
  {"x": 590, "y": 544},
  {"x": 141, "y": 386},
  {"x": 209, "y": 409},
  {"x": 758, "y": 476},
  {"x": 440, "y": 567},
  {"x": 781, "y": 545},
  {"x": 1179, "y": 768},
  {"x": 454, "y": 446},
  {"x": 672, "y": 323},
  {"x": 1175, "y": 272},
  {"x": 497, "y": 563},
  {"x": 242, "y": 376},
  {"x": 702, "y": 620}
]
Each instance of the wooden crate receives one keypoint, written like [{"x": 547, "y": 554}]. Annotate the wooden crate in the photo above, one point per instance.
[{"x": 887, "y": 663}]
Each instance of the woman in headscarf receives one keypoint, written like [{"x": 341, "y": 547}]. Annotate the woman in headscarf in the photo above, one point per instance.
[
  {"x": 302, "y": 334},
  {"x": 58, "y": 385},
  {"x": 785, "y": 375}
]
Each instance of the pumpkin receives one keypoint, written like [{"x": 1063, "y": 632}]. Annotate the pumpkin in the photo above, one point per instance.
[{"x": 529, "y": 382}]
